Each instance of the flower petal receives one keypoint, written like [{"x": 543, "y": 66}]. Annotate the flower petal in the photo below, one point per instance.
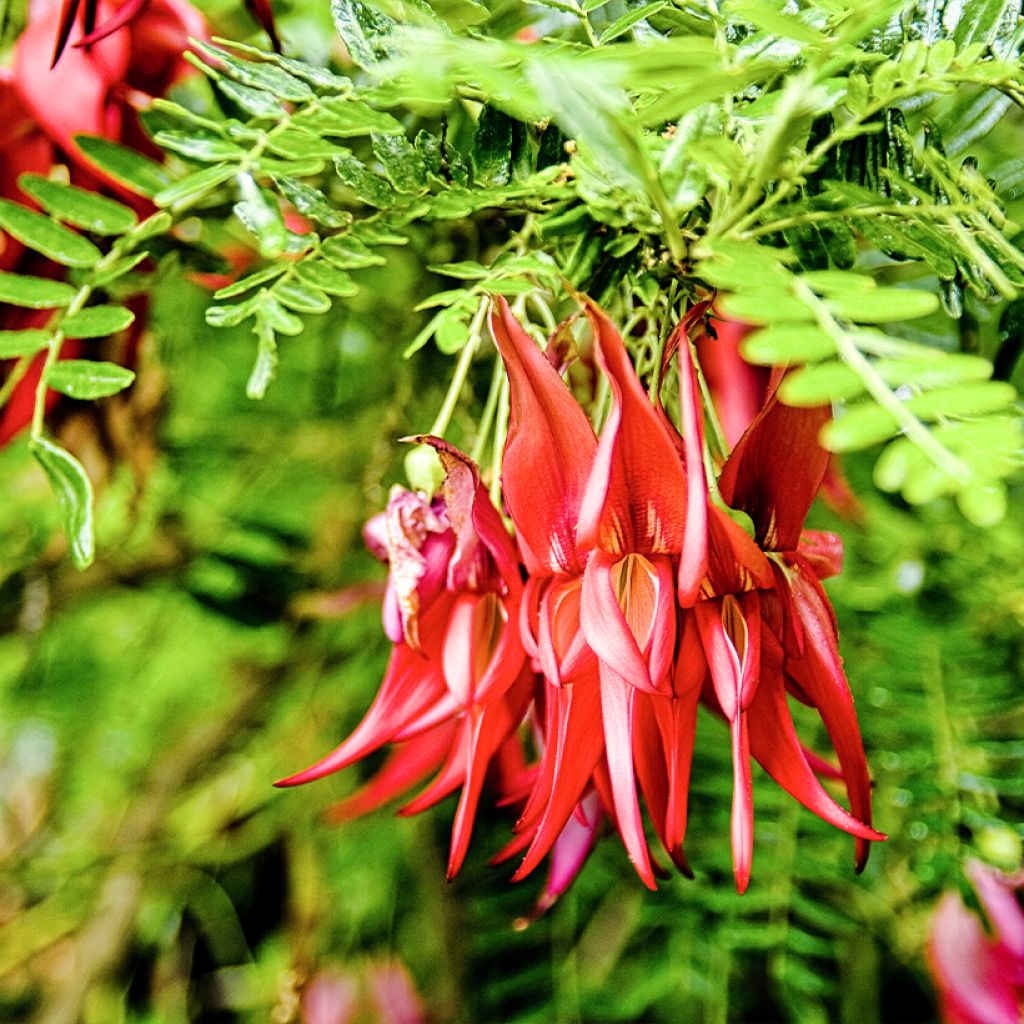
[
  {"x": 693, "y": 559},
  {"x": 775, "y": 471},
  {"x": 742, "y": 804},
  {"x": 548, "y": 454},
  {"x": 635, "y": 499}
]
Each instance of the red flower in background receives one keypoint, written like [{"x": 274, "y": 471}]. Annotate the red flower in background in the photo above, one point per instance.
[
  {"x": 979, "y": 970},
  {"x": 94, "y": 90}
]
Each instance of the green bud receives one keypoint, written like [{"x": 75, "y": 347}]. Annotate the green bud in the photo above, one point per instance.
[{"x": 423, "y": 469}]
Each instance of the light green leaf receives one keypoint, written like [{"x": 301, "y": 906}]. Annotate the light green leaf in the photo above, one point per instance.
[
  {"x": 22, "y": 343},
  {"x": 241, "y": 286},
  {"x": 782, "y": 344},
  {"x": 258, "y": 210},
  {"x": 818, "y": 385},
  {"x": 125, "y": 165},
  {"x": 88, "y": 379},
  {"x": 267, "y": 76},
  {"x": 34, "y": 292},
  {"x": 301, "y": 297},
  {"x": 348, "y": 253},
  {"x": 622, "y": 25},
  {"x": 365, "y": 31},
  {"x": 311, "y": 202},
  {"x": 256, "y": 102},
  {"x": 266, "y": 360},
  {"x": 202, "y": 146},
  {"x": 983, "y": 502},
  {"x": 97, "y": 322},
  {"x": 78, "y": 206},
  {"x": 859, "y": 427},
  {"x": 74, "y": 495},
  {"x": 327, "y": 278},
  {"x": 46, "y": 236},
  {"x": 402, "y": 163},
  {"x": 194, "y": 186},
  {"x": 880, "y": 305},
  {"x": 367, "y": 186}
]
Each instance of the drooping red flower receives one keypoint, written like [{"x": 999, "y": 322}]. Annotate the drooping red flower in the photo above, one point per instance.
[
  {"x": 457, "y": 686},
  {"x": 979, "y": 970}
]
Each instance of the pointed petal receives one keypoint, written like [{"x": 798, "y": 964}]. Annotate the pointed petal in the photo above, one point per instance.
[
  {"x": 548, "y": 454},
  {"x": 411, "y": 685},
  {"x": 693, "y": 559},
  {"x": 617, "y": 697},
  {"x": 742, "y": 804},
  {"x": 119, "y": 19},
  {"x": 408, "y": 764},
  {"x": 66, "y": 21},
  {"x": 574, "y": 751},
  {"x": 774, "y": 743},
  {"x": 819, "y": 673},
  {"x": 608, "y": 630},
  {"x": 730, "y": 631},
  {"x": 635, "y": 499},
  {"x": 738, "y": 389},
  {"x": 570, "y": 852},
  {"x": 263, "y": 14},
  {"x": 775, "y": 471},
  {"x": 490, "y": 727}
]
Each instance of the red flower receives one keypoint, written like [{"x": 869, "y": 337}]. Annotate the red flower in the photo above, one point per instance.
[
  {"x": 457, "y": 687},
  {"x": 979, "y": 972}
]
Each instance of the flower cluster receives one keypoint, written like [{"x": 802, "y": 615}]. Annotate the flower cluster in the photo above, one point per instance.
[
  {"x": 979, "y": 972},
  {"x": 570, "y": 662}
]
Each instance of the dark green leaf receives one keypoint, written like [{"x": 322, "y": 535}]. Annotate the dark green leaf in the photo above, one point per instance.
[
  {"x": 74, "y": 495},
  {"x": 311, "y": 202},
  {"x": 257, "y": 102},
  {"x": 491, "y": 155},
  {"x": 39, "y": 232},
  {"x": 365, "y": 31},
  {"x": 269, "y": 77},
  {"x": 78, "y": 206},
  {"x": 622, "y": 25},
  {"x": 259, "y": 212}
]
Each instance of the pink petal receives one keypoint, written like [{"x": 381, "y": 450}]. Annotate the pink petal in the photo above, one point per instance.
[
  {"x": 742, "y": 804},
  {"x": 693, "y": 559}
]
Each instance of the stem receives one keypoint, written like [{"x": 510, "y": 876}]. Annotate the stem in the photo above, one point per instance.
[
  {"x": 490, "y": 408},
  {"x": 498, "y": 450},
  {"x": 915, "y": 430},
  {"x": 461, "y": 370}
]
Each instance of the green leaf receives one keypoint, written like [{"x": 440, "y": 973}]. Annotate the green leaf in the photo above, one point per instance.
[
  {"x": 782, "y": 344},
  {"x": 402, "y": 163},
  {"x": 365, "y": 31},
  {"x": 311, "y": 202},
  {"x": 301, "y": 297},
  {"x": 270, "y": 77},
  {"x": 491, "y": 155},
  {"x": 818, "y": 385},
  {"x": 45, "y": 236},
  {"x": 768, "y": 17},
  {"x": 328, "y": 278},
  {"x": 194, "y": 186},
  {"x": 233, "y": 314},
  {"x": 880, "y": 305},
  {"x": 367, "y": 186},
  {"x": 77, "y": 206},
  {"x": 112, "y": 271},
  {"x": 622, "y": 25},
  {"x": 22, "y": 343},
  {"x": 125, "y": 165},
  {"x": 34, "y": 292},
  {"x": 258, "y": 210},
  {"x": 88, "y": 379},
  {"x": 265, "y": 367},
  {"x": 963, "y": 400},
  {"x": 204, "y": 147},
  {"x": 74, "y": 495},
  {"x": 256, "y": 102},
  {"x": 241, "y": 286},
  {"x": 983, "y": 502},
  {"x": 97, "y": 322},
  {"x": 346, "y": 117},
  {"x": 757, "y": 307},
  {"x": 348, "y": 253},
  {"x": 859, "y": 427}
]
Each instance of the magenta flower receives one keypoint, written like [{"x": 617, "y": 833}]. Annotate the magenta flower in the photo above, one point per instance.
[{"x": 978, "y": 965}]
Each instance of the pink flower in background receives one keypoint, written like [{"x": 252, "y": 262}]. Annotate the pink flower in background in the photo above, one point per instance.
[
  {"x": 377, "y": 992},
  {"x": 978, "y": 964}
]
